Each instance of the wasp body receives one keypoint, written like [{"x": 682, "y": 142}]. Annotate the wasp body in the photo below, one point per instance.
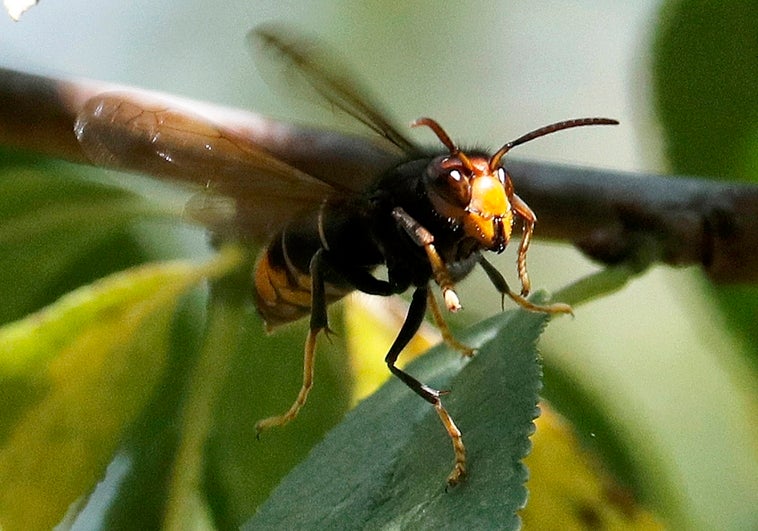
[
  {"x": 351, "y": 237},
  {"x": 427, "y": 218}
]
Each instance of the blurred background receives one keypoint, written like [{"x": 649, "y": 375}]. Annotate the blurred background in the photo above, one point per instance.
[{"x": 672, "y": 374}]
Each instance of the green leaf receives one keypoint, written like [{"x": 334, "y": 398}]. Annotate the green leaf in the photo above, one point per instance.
[
  {"x": 264, "y": 376},
  {"x": 186, "y": 501},
  {"x": 50, "y": 225},
  {"x": 81, "y": 371},
  {"x": 705, "y": 72},
  {"x": 386, "y": 464}
]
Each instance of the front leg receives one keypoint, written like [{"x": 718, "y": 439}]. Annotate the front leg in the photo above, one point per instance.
[
  {"x": 530, "y": 219},
  {"x": 447, "y": 335},
  {"x": 424, "y": 238},
  {"x": 502, "y": 286}
]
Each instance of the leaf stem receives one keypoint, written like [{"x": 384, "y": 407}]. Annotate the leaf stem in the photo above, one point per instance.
[{"x": 225, "y": 320}]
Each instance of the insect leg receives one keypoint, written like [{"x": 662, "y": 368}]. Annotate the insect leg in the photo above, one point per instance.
[
  {"x": 502, "y": 286},
  {"x": 424, "y": 238},
  {"x": 447, "y": 335},
  {"x": 530, "y": 218},
  {"x": 407, "y": 331},
  {"x": 317, "y": 324},
  {"x": 364, "y": 281}
]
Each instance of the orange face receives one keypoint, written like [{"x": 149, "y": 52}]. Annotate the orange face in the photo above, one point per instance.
[{"x": 469, "y": 192}]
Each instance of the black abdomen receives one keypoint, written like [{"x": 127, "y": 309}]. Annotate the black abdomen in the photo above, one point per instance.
[{"x": 282, "y": 279}]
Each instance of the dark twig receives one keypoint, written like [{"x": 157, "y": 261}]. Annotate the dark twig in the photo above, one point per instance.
[{"x": 613, "y": 217}]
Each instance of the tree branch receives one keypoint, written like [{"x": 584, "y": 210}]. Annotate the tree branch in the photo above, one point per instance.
[{"x": 613, "y": 217}]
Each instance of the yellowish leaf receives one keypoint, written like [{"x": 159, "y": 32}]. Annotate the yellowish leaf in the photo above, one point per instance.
[
  {"x": 93, "y": 359},
  {"x": 568, "y": 488}
]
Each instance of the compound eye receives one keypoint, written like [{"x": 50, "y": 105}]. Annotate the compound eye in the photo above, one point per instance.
[
  {"x": 501, "y": 176},
  {"x": 454, "y": 186}
]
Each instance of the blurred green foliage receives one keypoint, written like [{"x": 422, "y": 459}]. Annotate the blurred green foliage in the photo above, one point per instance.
[{"x": 705, "y": 81}]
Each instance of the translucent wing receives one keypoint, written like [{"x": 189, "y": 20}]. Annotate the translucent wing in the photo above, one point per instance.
[
  {"x": 271, "y": 170},
  {"x": 301, "y": 63},
  {"x": 125, "y": 131}
]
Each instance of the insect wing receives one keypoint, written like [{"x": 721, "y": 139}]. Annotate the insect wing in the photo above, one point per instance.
[
  {"x": 301, "y": 64},
  {"x": 348, "y": 163},
  {"x": 126, "y": 132}
]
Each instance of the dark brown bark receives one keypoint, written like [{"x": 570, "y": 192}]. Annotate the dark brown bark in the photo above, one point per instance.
[{"x": 611, "y": 216}]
